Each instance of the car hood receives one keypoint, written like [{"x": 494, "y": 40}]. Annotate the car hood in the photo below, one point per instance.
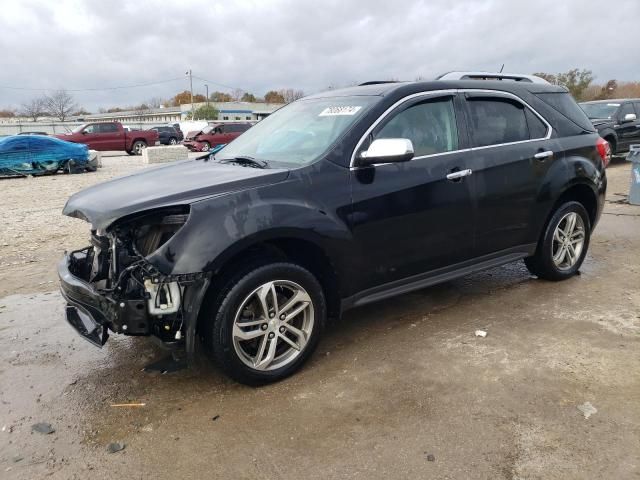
[
  {"x": 175, "y": 184},
  {"x": 192, "y": 135}
]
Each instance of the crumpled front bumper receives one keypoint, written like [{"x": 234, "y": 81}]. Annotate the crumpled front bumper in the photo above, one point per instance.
[{"x": 87, "y": 311}]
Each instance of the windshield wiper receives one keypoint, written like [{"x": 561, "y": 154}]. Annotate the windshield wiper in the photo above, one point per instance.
[{"x": 246, "y": 161}]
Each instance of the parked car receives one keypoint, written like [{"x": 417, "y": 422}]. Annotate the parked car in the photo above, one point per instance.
[
  {"x": 617, "y": 121},
  {"x": 39, "y": 155},
  {"x": 168, "y": 135},
  {"x": 334, "y": 201},
  {"x": 215, "y": 134},
  {"x": 109, "y": 136},
  {"x": 33, "y": 133}
]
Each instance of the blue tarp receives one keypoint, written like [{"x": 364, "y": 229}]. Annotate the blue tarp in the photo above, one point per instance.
[{"x": 37, "y": 154}]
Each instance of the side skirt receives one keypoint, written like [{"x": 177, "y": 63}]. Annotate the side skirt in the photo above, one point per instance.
[{"x": 417, "y": 282}]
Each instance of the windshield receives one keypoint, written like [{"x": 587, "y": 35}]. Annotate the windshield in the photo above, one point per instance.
[
  {"x": 78, "y": 129},
  {"x": 300, "y": 132},
  {"x": 600, "y": 110}
]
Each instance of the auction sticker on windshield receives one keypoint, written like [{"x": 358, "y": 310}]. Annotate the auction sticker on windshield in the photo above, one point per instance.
[{"x": 333, "y": 111}]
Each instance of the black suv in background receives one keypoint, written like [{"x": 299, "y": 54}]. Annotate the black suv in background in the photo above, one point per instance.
[
  {"x": 168, "y": 135},
  {"x": 334, "y": 201},
  {"x": 617, "y": 121}
]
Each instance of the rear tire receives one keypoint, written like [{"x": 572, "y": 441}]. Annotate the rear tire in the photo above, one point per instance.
[
  {"x": 257, "y": 341},
  {"x": 563, "y": 245}
]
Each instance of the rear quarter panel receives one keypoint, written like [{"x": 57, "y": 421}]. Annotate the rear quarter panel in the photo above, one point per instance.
[{"x": 577, "y": 163}]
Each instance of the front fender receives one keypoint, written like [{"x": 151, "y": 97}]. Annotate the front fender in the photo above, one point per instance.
[{"x": 221, "y": 227}]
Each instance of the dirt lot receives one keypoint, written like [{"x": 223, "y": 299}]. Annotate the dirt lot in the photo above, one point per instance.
[{"x": 399, "y": 389}]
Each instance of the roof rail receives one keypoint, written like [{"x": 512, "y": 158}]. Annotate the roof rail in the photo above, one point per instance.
[
  {"x": 516, "y": 77},
  {"x": 377, "y": 82}
]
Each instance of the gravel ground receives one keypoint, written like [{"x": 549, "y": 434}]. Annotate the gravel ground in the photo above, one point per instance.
[
  {"x": 35, "y": 233},
  {"x": 398, "y": 389}
]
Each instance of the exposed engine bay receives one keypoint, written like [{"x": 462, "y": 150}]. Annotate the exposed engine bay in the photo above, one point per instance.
[{"x": 136, "y": 298}]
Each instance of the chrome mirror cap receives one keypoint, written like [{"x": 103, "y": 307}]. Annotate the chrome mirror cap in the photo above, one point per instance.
[{"x": 387, "y": 150}]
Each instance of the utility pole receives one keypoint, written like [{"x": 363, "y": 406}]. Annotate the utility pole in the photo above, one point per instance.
[
  {"x": 206, "y": 87},
  {"x": 193, "y": 115}
]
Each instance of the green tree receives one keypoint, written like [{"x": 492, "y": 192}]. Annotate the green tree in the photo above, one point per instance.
[
  {"x": 204, "y": 113},
  {"x": 575, "y": 80},
  {"x": 248, "y": 97}
]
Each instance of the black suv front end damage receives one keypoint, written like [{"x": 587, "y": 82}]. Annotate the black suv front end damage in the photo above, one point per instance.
[{"x": 112, "y": 286}]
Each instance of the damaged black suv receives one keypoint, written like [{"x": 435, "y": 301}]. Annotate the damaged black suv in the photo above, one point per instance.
[{"x": 334, "y": 201}]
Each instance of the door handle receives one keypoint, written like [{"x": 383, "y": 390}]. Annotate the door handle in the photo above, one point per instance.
[
  {"x": 459, "y": 174},
  {"x": 543, "y": 155}
]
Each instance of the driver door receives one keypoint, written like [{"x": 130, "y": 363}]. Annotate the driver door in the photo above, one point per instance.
[{"x": 409, "y": 218}]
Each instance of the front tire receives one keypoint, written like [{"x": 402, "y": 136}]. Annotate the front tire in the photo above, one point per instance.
[
  {"x": 206, "y": 146},
  {"x": 173, "y": 141},
  {"x": 564, "y": 244},
  {"x": 266, "y": 322}
]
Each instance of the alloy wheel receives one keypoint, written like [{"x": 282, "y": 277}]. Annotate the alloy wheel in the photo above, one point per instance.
[
  {"x": 568, "y": 241},
  {"x": 273, "y": 325}
]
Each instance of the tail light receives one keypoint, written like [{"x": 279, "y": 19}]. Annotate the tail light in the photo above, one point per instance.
[{"x": 604, "y": 150}]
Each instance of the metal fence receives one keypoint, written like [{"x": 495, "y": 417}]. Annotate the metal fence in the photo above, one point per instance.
[{"x": 49, "y": 128}]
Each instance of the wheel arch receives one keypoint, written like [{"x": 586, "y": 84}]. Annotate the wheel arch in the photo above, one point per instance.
[{"x": 285, "y": 245}]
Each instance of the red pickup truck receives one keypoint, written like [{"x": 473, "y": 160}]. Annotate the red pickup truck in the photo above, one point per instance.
[{"x": 112, "y": 136}]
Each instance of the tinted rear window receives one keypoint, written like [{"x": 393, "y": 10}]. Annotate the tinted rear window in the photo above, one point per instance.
[
  {"x": 564, "y": 104},
  {"x": 495, "y": 121}
]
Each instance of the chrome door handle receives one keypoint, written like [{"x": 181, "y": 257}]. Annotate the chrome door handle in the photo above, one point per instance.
[
  {"x": 459, "y": 174},
  {"x": 543, "y": 155}
]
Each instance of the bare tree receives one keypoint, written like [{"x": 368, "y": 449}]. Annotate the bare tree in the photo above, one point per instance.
[
  {"x": 236, "y": 94},
  {"x": 34, "y": 108},
  {"x": 155, "y": 102},
  {"x": 60, "y": 104},
  {"x": 291, "y": 95}
]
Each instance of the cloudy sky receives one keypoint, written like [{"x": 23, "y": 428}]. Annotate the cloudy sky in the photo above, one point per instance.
[{"x": 89, "y": 46}]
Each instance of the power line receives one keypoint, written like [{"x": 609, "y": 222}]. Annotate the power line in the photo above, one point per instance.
[
  {"x": 216, "y": 83},
  {"x": 95, "y": 89}
]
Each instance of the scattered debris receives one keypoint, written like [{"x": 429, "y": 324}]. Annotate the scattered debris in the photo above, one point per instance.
[
  {"x": 115, "y": 447},
  {"x": 431, "y": 458},
  {"x": 17, "y": 459},
  {"x": 128, "y": 404},
  {"x": 481, "y": 333},
  {"x": 215, "y": 418},
  {"x": 587, "y": 409},
  {"x": 43, "y": 427}
]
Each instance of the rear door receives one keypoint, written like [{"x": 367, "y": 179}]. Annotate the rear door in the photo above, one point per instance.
[
  {"x": 409, "y": 218},
  {"x": 511, "y": 153},
  {"x": 111, "y": 138}
]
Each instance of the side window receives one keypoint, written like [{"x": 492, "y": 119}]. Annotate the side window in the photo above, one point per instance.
[
  {"x": 637, "y": 105},
  {"x": 91, "y": 128},
  {"x": 537, "y": 128},
  {"x": 497, "y": 120},
  {"x": 108, "y": 128},
  {"x": 624, "y": 110},
  {"x": 431, "y": 127}
]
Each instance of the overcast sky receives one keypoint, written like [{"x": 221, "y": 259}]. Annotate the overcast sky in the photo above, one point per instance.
[{"x": 310, "y": 45}]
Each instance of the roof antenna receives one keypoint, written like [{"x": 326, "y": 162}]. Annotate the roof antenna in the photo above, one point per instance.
[{"x": 501, "y": 68}]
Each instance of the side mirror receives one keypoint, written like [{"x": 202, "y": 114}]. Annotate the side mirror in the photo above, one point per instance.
[
  {"x": 629, "y": 117},
  {"x": 84, "y": 132},
  {"x": 387, "y": 150}
]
